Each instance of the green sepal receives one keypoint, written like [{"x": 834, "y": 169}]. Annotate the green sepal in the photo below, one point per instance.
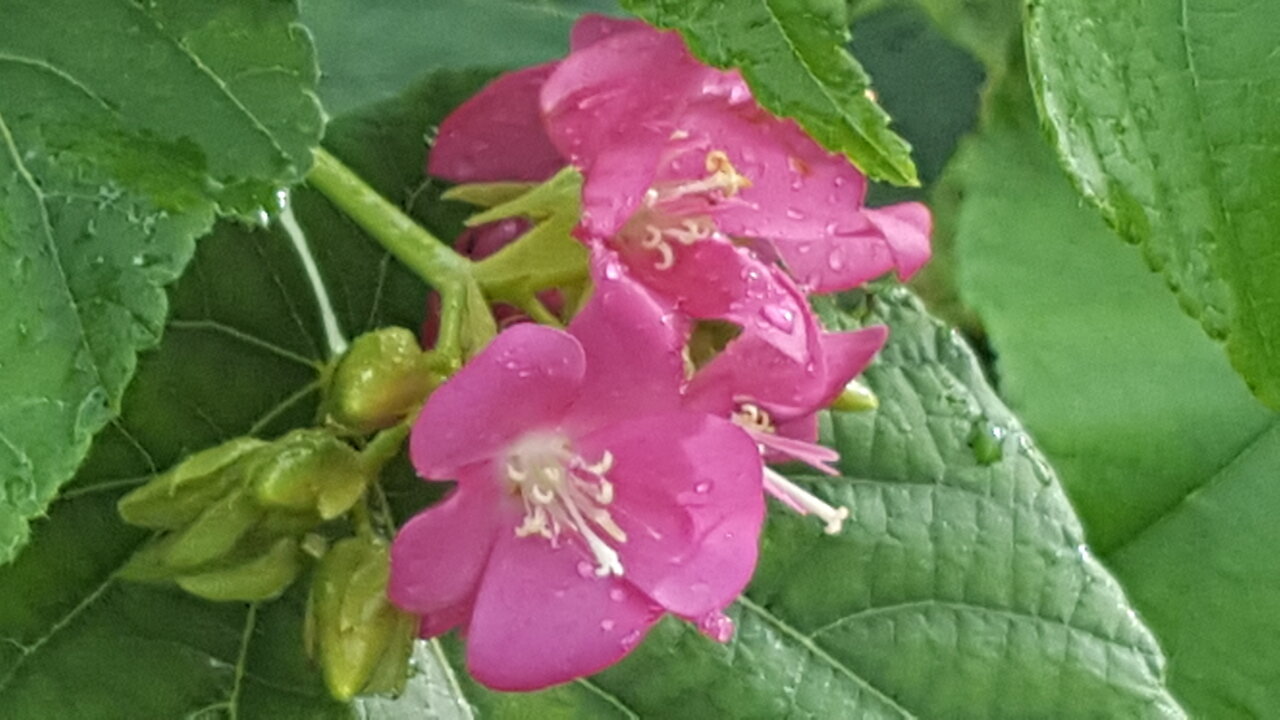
[
  {"x": 263, "y": 577},
  {"x": 380, "y": 380},
  {"x": 214, "y": 533},
  {"x": 309, "y": 470},
  {"x": 547, "y": 255},
  {"x": 488, "y": 195},
  {"x": 175, "y": 498},
  {"x": 360, "y": 639}
]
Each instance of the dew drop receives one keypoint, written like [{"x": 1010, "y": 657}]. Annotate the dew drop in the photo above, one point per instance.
[
  {"x": 586, "y": 570},
  {"x": 717, "y": 626},
  {"x": 606, "y": 625},
  {"x": 630, "y": 640},
  {"x": 779, "y": 317},
  {"x": 702, "y": 488},
  {"x": 835, "y": 261},
  {"x": 795, "y": 214},
  {"x": 617, "y": 595}
]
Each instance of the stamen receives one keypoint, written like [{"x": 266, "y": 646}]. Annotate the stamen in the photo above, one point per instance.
[
  {"x": 561, "y": 492},
  {"x": 805, "y": 501}
]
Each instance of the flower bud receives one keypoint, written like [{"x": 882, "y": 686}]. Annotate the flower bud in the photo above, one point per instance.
[
  {"x": 214, "y": 533},
  {"x": 361, "y": 641},
  {"x": 856, "y": 397},
  {"x": 175, "y": 498},
  {"x": 263, "y": 577},
  {"x": 309, "y": 471},
  {"x": 382, "y": 378}
]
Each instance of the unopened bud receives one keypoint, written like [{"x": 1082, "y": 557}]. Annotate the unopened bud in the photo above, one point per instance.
[
  {"x": 856, "y": 397},
  {"x": 263, "y": 577},
  {"x": 381, "y": 379},
  {"x": 175, "y": 498},
  {"x": 214, "y": 533},
  {"x": 309, "y": 471},
  {"x": 360, "y": 639}
]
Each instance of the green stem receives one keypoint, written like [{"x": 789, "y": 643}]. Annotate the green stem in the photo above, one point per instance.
[{"x": 423, "y": 253}]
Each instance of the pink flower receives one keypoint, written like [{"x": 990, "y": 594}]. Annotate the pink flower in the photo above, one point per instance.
[
  {"x": 588, "y": 501},
  {"x": 698, "y": 188},
  {"x": 777, "y": 400}
]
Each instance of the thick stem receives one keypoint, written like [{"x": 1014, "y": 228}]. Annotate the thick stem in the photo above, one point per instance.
[{"x": 420, "y": 251}]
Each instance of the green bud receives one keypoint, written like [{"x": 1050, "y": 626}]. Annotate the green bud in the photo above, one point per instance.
[
  {"x": 175, "y": 498},
  {"x": 309, "y": 471},
  {"x": 263, "y": 577},
  {"x": 856, "y": 397},
  {"x": 214, "y": 533},
  {"x": 381, "y": 379},
  {"x": 148, "y": 563},
  {"x": 361, "y": 641}
]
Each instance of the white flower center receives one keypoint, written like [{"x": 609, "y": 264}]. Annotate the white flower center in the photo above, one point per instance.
[{"x": 564, "y": 493}]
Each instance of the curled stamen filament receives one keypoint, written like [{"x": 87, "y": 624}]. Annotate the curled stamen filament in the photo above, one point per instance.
[
  {"x": 562, "y": 492},
  {"x": 805, "y": 502}
]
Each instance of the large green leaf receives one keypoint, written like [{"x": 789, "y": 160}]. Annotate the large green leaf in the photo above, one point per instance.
[
  {"x": 961, "y": 588},
  {"x": 241, "y": 354},
  {"x": 124, "y": 128},
  {"x": 1172, "y": 463},
  {"x": 792, "y": 54},
  {"x": 1165, "y": 115},
  {"x": 371, "y": 50}
]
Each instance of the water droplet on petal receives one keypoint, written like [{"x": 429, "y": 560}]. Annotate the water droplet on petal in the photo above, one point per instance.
[
  {"x": 702, "y": 488},
  {"x": 617, "y": 595},
  {"x": 795, "y": 214},
  {"x": 586, "y": 570},
  {"x": 630, "y": 640},
  {"x": 836, "y": 260},
  {"x": 606, "y": 625},
  {"x": 717, "y": 626},
  {"x": 779, "y": 317}
]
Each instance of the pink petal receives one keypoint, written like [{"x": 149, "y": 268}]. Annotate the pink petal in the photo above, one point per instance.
[
  {"x": 438, "y": 556},
  {"x": 687, "y": 491},
  {"x": 610, "y": 109},
  {"x": 714, "y": 279},
  {"x": 799, "y": 191},
  {"x": 906, "y": 227},
  {"x": 838, "y": 262},
  {"x": 592, "y": 28},
  {"x": 633, "y": 344},
  {"x": 543, "y": 618},
  {"x": 751, "y": 370},
  {"x": 442, "y": 621},
  {"x": 498, "y": 135},
  {"x": 524, "y": 379}
]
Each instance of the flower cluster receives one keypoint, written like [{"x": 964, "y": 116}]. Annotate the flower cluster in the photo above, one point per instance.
[{"x": 608, "y": 473}]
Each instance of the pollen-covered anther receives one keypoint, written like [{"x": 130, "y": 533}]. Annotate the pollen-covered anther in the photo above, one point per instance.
[
  {"x": 753, "y": 417},
  {"x": 562, "y": 494}
]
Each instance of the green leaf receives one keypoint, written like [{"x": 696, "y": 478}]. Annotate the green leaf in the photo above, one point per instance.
[
  {"x": 124, "y": 128},
  {"x": 242, "y": 353},
  {"x": 1164, "y": 113},
  {"x": 960, "y": 588},
  {"x": 792, "y": 54},
  {"x": 372, "y": 50},
  {"x": 1171, "y": 462}
]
